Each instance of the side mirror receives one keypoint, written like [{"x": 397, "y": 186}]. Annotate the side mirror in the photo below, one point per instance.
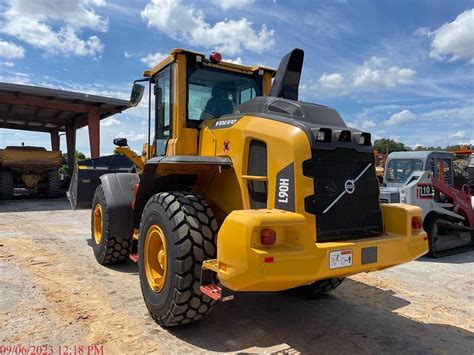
[
  {"x": 121, "y": 142},
  {"x": 137, "y": 94}
]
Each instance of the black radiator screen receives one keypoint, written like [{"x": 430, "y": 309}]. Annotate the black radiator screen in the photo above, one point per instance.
[{"x": 346, "y": 194}]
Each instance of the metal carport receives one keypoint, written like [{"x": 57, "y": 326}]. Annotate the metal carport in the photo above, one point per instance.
[{"x": 34, "y": 108}]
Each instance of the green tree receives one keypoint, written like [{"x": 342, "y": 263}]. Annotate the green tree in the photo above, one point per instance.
[
  {"x": 387, "y": 146},
  {"x": 64, "y": 169}
]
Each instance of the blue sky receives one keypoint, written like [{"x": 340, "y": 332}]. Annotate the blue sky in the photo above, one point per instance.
[{"x": 398, "y": 69}]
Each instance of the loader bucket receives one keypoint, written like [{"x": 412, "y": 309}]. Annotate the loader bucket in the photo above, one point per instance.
[{"x": 86, "y": 177}]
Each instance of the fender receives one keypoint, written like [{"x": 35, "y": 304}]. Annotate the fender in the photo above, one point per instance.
[
  {"x": 118, "y": 190},
  {"x": 151, "y": 182}
]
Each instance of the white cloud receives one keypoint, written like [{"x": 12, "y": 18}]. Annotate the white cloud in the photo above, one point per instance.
[
  {"x": 30, "y": 22},
  {"x": 331, "y": 81},
  {"x": 16, "y": 78},
  {"x": 109, "y": 122},
  {"x": 11, "y": 50},
  {"x": 454, "y": 40},
  {"x": 401, "y": 118},
  {"x": 232, "y": 4},
  {"x": 8, "y": 64},
  {"x": 375, "y": 73},
  {"x": 237, "y": 60},
  {"x": 127, "y": 54},
  {"x": 153, "y": 59},
  {"x": 132, "y": 136},
  {"x": 458, "y": 134},
  {"x": 367, "y": 124},
  {"x": 183, "y": 22}
]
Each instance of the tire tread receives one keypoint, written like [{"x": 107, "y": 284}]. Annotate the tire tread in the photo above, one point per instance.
[
  {"x": 115, "y": 251},
  {"x": 6, "y": 184},
  {"x": 188, "y": 304}
]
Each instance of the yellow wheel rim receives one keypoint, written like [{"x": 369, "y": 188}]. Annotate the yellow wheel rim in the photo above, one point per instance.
[
  {"x": 97, "y": 223},
  {"x": 155, "y": 258}
]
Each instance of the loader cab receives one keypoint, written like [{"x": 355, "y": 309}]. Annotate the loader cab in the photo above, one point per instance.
[
  {"x": 400, "y": 166},
  {"x": 189, "y": 92}
]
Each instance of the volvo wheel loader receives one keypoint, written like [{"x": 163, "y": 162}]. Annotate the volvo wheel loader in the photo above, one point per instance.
[{"x": 245, "y": 188}]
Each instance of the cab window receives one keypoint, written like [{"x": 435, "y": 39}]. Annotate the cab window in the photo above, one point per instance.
[
  {"x": 399, "y": 170},
  {"x": 213, "y": 93},
  {"x": 162, "y": 87}
]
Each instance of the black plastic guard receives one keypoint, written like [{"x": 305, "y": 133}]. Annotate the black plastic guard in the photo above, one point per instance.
[{"x": 118, "y": 190}]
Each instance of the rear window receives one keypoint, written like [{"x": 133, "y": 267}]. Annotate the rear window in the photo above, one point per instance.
[{"x": 399, "y": 170}]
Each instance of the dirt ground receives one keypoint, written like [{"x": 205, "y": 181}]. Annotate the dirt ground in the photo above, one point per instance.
[{"x": 52, "y": 291}]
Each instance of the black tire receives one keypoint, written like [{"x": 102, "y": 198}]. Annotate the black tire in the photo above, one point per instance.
[
  {"x": 431, "y": 229},
  {"x": 190, "y": 234},
  {"x": 318, "y": 288},
  {"x": 6, "y": 184},
  {"x": 430, "y": 225},
  {"x": 109, "y": 250},
  {"x": 53, "y": 184}
]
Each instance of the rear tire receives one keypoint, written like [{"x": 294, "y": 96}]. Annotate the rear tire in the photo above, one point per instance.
[
  {"x": 430, "y": 226},
  {"x": 318, "y": 288},
  {"x": 107, "y": 249},
  {"x": 6, "y": 184},
  {"x": 53, "y": 184},
  {"x": 189, "y": 231}
]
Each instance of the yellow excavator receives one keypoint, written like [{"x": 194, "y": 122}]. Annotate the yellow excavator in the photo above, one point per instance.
[{"x": 244, "y": 188}]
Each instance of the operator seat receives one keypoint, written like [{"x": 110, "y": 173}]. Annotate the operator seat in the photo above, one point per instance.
[{"x": 218, "y": 105}]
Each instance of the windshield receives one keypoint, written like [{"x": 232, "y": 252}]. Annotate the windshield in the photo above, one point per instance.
[
  {"x": 399, "y": 170},
  {"x": 213, "y": 93}
]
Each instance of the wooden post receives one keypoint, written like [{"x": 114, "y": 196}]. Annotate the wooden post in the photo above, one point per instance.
[
  {"x": 54, "y": 140},
  {"x": 94, "y": 132},
  {"x": 71, "y": 147}
]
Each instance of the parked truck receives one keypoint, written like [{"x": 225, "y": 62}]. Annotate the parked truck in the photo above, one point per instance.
[{"x": 33, "y": 168}]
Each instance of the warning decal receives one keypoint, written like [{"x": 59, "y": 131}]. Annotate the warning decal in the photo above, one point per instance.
[{"x": 340, "y": 258}]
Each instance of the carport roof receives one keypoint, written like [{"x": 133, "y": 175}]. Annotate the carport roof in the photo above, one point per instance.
[{"x": 35, "y": 108}]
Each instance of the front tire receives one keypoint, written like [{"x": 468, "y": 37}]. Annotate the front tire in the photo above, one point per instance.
[
  {"x": 107, "y": 249},
  {"x": 53, "y": 184},
  {"x": 6, "y": 184},
  {"x": 170, "y": 269}
]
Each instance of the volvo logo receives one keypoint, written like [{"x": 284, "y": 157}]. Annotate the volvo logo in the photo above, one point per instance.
[{"x": 349, "y": 186}]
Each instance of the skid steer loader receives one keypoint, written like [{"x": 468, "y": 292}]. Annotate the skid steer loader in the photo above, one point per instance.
[
  {"x": 245, "y": 188},
  {"x": 428, "y": 179}
]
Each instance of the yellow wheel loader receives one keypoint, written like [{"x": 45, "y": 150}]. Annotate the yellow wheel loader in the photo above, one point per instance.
[{"x": 245, "y": 188}]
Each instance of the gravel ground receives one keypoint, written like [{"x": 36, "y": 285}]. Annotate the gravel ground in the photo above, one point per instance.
[{"x": 52, "y": 291}]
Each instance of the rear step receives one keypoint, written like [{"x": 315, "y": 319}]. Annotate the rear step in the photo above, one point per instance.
[
  {"x": 134, "y": 257},
  {"x": 208, "y": 282},
  {"x": 213, "y": 291}
]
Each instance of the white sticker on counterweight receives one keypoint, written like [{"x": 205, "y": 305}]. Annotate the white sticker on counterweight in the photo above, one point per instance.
[{"x": 340, "y": 258}]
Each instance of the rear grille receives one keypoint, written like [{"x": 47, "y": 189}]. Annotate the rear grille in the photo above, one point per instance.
[{"x": 354, "y": 215}]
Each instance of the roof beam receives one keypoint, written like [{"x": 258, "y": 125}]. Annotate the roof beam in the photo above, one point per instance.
[
  {"x": 41, "y": 119},
  {"x": 23, "y": 127},
  {"x": 49, "y": 104}
]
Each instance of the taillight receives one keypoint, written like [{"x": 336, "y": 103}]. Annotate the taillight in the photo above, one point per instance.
[
  {"x": 268, "y": 236},
  {"x": 416, "y": 222}
]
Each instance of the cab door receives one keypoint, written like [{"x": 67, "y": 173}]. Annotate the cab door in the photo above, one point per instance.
[{"x": 163, "y": 110}]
